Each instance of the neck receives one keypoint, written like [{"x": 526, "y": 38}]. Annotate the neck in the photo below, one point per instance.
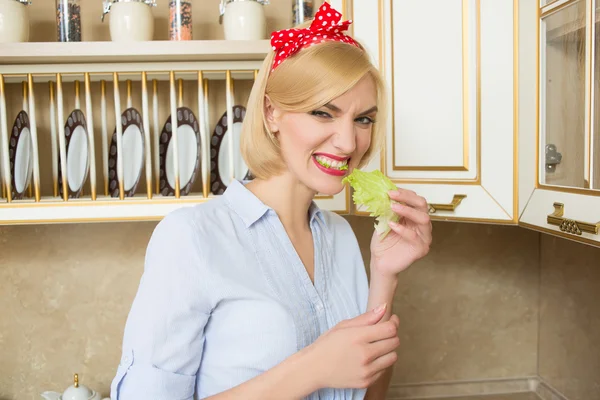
[{"x": 289, "y": 198}]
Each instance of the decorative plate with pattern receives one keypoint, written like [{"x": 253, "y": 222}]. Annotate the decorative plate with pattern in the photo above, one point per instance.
[
  {"x": 76, "y": 143},
  {"x": 189, "y": 153},
  {"x": 133, "y": 154},
  {"x": 220, "y": 174},
  {"x": 20, "y": 156}
]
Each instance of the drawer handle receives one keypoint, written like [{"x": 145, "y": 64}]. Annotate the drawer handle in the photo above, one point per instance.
[
  {"x": 456, "y": 200},
  {"x": 569, "y": 225}
]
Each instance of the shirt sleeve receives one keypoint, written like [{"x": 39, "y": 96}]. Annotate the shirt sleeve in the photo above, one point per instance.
[{"x": 164, "y": 333}]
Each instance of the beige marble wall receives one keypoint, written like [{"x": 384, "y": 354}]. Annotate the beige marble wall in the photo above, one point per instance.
[
  {"x": 569, "y": 343},
  {"x": 65, "y": 291},
  {"x": 468, "y": 310}
]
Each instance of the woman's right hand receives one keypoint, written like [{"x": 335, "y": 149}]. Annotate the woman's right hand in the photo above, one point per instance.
[{"x": 355, "y": 352}]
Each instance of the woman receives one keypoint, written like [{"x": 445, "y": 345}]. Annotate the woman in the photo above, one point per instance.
[{"x": 259, "y": 294}]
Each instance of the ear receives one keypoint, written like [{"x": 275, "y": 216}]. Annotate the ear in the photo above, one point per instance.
[{"x": 271, "y": 115}]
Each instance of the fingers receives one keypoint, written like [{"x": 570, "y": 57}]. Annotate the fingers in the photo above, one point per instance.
[
  {"x": 372, "y": 379},
  {"x": 396, "y": 320},
  {"x": 382, "y": 331},
  {"x": 382, "y": 347},
  {"x": 383, "y": 362},
  {"x": 416, "y": 215},
  {"x": 405, "y": 233},
  {"x": 414, "y": 209},
  {"x": 410, "y": 198},
  {"x": 420, "y": 240},
  {"x": 371, "y": 317}
]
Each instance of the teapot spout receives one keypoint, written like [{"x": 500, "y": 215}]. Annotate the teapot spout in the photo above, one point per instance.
[{"x": 51, "y": 396}]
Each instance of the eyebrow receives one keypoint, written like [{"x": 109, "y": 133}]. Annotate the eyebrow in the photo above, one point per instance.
[
  {"x": 332, "y": 107},
  {"x": 337, "y": 109},
  {"x": 369, "y": 111}
]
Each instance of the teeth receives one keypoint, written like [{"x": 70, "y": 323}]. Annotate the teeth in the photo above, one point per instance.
[{"x": 330, "y": 163}]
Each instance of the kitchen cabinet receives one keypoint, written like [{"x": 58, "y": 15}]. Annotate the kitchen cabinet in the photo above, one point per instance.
[
  {"x": 450, "y": 67},
  {"x": 559, "y": 143},
  {"x": 493, "y": 113},
  {"x": 86, "y": 132},
  {"x": 493, "y": 108}
]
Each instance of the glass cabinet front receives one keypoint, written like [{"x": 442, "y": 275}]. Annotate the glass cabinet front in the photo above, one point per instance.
[
  {"x": 595, "y": 137},
  {"x": 564, "y": 146}
]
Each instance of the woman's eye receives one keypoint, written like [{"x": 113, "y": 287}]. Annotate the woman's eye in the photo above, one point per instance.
[
  {"x": 321, "y": 114},
  {"x": 365, "y": 120}
]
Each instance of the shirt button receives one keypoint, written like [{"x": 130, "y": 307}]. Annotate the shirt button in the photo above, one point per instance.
[{"x": 319, "y": 307}]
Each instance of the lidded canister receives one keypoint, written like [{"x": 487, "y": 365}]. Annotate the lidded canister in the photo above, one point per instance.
[
  {"x": 68, "y": 20},
  {"x": 302, "y": 11},
  {"x": 130, "y": 20},
  {"x": 243, "y": 19},
  {"x": 14, "y": 21},
  {"x": 180, "y": 20}
]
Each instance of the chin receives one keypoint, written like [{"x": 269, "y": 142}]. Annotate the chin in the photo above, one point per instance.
[
  {"x": 327, "y": 188},
  {"x": 324, "y": 183}
]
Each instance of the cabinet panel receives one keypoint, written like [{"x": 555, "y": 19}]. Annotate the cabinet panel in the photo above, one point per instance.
[
  {"x": 563, "y": 97},
  {"x": 450, "y": 70},
  {"x": 595, "y": 133},
  {"x": 556, "y": 72},
  {"x": 431, "y": 64},
  {"x": 569, "y": 215},
  {"x": 430, "y": 115}
]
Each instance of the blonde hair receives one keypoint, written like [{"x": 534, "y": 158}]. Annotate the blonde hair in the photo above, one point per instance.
[{"x": 305, "y": 81}]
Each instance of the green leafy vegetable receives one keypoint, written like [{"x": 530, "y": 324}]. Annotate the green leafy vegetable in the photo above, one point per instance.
[{"x": 371, "y": 190}]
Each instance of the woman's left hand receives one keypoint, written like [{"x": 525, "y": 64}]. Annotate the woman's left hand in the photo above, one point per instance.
[{"x": 408, "y": 240}]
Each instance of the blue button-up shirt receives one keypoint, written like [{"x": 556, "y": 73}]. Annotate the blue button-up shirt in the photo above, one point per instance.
[{"x": 224, "y": 297}]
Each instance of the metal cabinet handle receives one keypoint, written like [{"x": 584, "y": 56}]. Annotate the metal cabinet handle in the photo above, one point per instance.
[
  {"x": 569, "y": 225},
  {"x": 456, "y": 200}
]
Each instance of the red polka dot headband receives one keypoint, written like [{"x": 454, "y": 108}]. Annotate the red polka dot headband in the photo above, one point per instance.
[{"x": 326, "y": 26}]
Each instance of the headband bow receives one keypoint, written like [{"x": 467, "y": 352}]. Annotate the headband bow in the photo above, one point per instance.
[{"x": 325, "y": 26}]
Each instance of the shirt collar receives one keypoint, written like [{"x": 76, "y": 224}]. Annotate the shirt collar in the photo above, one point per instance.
[{"x": 250, "y": 208}]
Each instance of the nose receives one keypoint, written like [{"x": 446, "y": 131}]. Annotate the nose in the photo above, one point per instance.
[{"x": 344, "y": 137}]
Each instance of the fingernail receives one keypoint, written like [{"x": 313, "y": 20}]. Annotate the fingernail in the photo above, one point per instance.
[
  {"x": 396, "y": 206},
  {"x": 392, "y": 223},
  {"x": 380, "y": 308}
]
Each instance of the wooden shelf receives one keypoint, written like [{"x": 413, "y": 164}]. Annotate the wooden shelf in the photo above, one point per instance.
[
  {"x": 51, "y": 210},
  {"x": 54, "y": 210},
  {"x": 151, "y": 51}
]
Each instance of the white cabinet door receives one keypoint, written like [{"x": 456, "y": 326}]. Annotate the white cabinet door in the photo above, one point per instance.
[
  {"x": 449, "y": 66},
  {"x": 340, "y": 203},
  {"x": 559, "y": 147}
]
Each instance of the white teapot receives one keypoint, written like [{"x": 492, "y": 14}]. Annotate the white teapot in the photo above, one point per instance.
[{"x": 74, "y": 392}]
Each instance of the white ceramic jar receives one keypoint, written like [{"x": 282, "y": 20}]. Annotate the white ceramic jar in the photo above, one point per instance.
[
  {"x": 244, "y": 19},
  {"x": 14, "y": 21},
  {"x": 130, "y": 20}
]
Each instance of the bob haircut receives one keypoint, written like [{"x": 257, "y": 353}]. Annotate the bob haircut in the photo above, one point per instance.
[{"x": 305, "y": 81}]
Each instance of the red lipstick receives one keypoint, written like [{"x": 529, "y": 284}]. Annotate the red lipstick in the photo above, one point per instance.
[
  {"x": 336, "y": 158},
  {"x": 330, "y": 171}
]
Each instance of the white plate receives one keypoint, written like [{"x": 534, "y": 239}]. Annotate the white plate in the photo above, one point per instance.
[
  {"x": 76, "y": 138},
  {"x": 220, "y": 176},
  {"x": 133, "y": 154},
  {"x": 20, "y": 156},
  {"x": 189, "y": 153}
]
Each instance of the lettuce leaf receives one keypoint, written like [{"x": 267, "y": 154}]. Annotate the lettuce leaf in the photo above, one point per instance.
[{"x": 371, "y": 190}]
